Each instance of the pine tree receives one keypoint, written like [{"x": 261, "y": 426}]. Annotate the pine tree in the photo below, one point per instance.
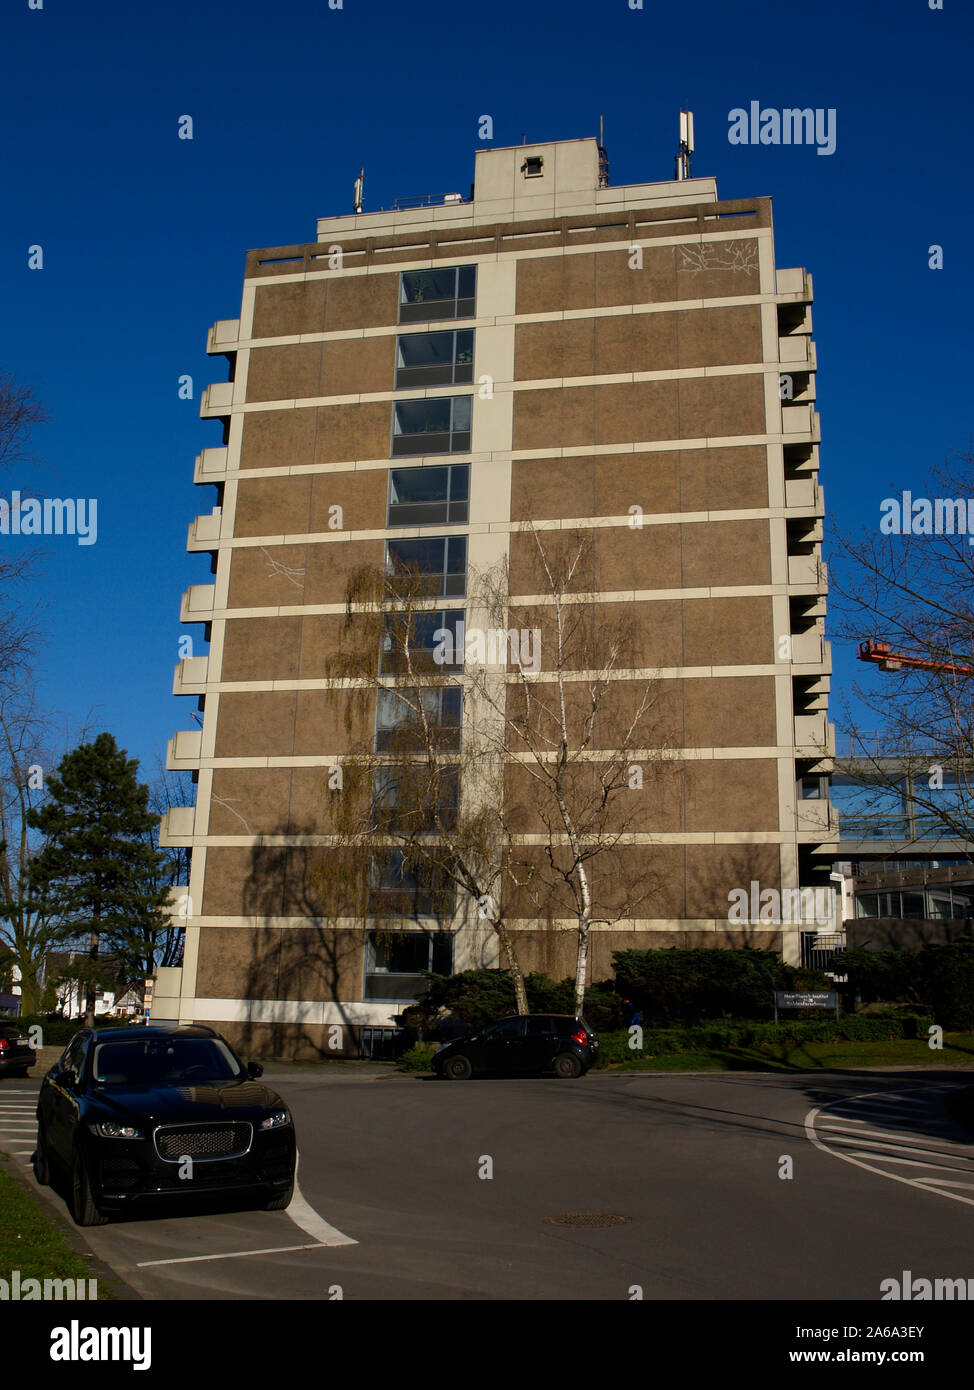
[{"x": 98, "y": 861}]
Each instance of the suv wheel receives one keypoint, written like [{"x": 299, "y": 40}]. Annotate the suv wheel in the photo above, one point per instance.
[
  {"x": 83, "y": 1207},
  {"x": 567, "y": 1065},
  {"x": 457, "y": 1068}
]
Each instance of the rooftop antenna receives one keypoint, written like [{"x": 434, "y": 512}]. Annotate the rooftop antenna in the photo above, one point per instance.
[
  {"x": 686, "y": 145},
  {"x": 359, "y": 189},
  {"x": 603, "y": 158}
]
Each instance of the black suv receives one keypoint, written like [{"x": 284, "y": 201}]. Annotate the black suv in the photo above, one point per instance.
[
  {"x": 135, "y": 1113},
  {"x": 16, "y": 1053},
  {"x": 560, "y": 1043}
]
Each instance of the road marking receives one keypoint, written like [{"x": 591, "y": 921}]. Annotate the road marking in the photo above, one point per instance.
[
  {"x": 232, "y": 1255},
  {"x": 914, "y": 1163},
  {"x": 847, "y": 1157},
  {"x": 301, "y": 1213},
  {"x": 307, "y": 1219}
]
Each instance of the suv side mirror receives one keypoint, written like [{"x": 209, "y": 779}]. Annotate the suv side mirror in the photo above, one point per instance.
[
  {"x": 67, "y": 1077},
  {"x": 254, "y": 1069}
]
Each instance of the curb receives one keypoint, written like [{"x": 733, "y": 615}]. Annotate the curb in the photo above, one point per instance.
[{"x": 108, "y": 1278}]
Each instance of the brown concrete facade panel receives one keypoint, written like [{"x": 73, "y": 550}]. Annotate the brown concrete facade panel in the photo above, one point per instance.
[
  {"x": 362, "y": 301},
  {"x": 635, "y": 343},
  {"x": 331, "y": 721},
  {"x": 331, "y": 564},
  {"x": 261, "y": 649},
  {"x": 717, "y": 270},
  {"x": 720, "y": 336},
  {"x": 732, "y": 795},
  {"x": 728, "y": 632},
  {"x": 250, "y": 801},
  {"x": 278, "y": 438},
  {"x": 243, "y": 882},
  {"x": 724, "y": 478},
  {"x": 256, "y": 724},
  {"x": 730, "y": 712},
  {"x": 548, "y": 284},
  {"x": 714, "y": 871},
  {"x": 725, "y": 553},
  {"x": 563, "y": 348},
  {"x": 361, "y": 496},
  {"x": 351, "y": 432},
  {"x": 268, "y": 576},
  {"x": 289, "y": 372},
  {"x": 721, "y": 406},
  {"x": 239, "y": 963},
  {"x": 272, "y": 506},
  {"x": 284, "y": 311},
  {"x": 357, "y": 365}
]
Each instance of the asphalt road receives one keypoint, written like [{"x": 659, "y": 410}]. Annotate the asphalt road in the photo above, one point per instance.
[{"x": 414, "y": 1189}]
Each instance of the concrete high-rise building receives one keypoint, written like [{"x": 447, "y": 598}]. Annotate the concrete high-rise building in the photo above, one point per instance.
[{"x": 642, "y": 351}]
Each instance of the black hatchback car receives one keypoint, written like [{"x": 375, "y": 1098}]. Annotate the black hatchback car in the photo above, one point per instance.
[
  {"x": 559, "y": 1043},
  {"x": 137, "y": 1113},
  {"x": 16, "y": 1053}
]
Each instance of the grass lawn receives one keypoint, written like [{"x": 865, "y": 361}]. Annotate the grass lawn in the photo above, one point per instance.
[
  {"x": 37, "y": 1243},
  {"x": 958, "y": 1051}
]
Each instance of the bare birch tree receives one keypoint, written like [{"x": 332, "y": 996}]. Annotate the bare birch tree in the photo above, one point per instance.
[{"x": 532, "y": 813}]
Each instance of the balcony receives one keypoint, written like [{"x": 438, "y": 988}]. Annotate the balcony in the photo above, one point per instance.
[
  {"x": 800, "y": 492},
  {"x": 223, "y": 336},
  {"x": 198, "y": 603},
  {"x": 176, "y": 826},
  {"x": 814, "y": 736},
  {"x": 211, "y": 466},
  {"x": 190, "y": 676},
  {"x": 216, "y": 399},
  {"x": 808, "y": 649},
  {"x": 817, "y": 818},
  {"x": 184, "y": 750},
  {"x": 204, "y": 531},
  {"x": 796, "y": 283},
  {"x": 797, "y": 352},
  {"x": 800, "y": 419},
  {"x": 806, "y": 571}
]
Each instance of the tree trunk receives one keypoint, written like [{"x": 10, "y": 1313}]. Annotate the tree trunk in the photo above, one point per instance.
[
  {"x": 581, "y": 966},
  {"x": 520, "y": 994},
  {"x": 90, "y": 984}
]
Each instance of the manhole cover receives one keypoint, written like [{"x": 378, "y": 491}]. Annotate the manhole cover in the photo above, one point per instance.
[{"x": 587, "y": 1218}]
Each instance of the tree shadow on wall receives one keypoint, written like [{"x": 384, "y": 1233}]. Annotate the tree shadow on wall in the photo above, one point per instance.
[{"x": 319, "y": 958}]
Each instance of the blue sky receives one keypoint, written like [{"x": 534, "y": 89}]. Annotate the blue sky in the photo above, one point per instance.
[{"x": 144, "y": 234}]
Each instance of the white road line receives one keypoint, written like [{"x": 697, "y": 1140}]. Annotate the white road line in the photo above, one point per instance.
[
  {"x": 942, "y": 1137},
  {"x": 232, "y": 1255},
  {"x": 875, "y": 1144},
  {"x": 916, "y": 1163},
  {"x": 846, "y": 1157},
  {"x": 307, "y": 1219},
  {"x": 946, "y": 1182}
]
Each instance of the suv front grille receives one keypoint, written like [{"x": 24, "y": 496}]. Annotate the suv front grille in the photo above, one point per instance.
[{"x": 202, "y": 1142}]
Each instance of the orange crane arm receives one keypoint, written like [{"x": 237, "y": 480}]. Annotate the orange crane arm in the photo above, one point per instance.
[{"x": 879, "y": 654}]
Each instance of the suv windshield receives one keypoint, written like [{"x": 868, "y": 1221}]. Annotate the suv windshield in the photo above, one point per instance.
[{"x": 160, "y": 1061}]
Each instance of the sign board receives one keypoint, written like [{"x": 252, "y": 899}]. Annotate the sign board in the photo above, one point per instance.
[{"x": 805, "y": 999}]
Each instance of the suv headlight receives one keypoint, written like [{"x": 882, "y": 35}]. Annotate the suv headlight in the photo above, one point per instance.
[
  {"x": 110, "y": 1129},
  {"x": 275, "y": 1120}
]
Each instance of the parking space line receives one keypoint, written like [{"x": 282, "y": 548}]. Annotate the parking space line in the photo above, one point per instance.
[
  {"x": 232, "y": 1255},
  {"x": 307, "y": 1219}
]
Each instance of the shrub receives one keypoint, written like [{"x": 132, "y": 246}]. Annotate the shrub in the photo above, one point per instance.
[
  {"x": 419, "y": 1058},
  {"x": 721, "y": 1034},
  {"x": 674, "y": 984},
  {"x": 58, "y": 1032}
]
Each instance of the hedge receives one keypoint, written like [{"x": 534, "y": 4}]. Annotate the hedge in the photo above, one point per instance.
[
  {"x": 718, "y": 1035},
  {"x": 58, "y": 1032}
]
